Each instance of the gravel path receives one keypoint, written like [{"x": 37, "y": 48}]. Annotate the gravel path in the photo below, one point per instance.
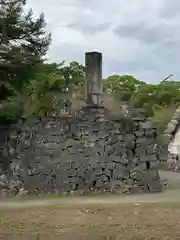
[{"x": 170, "y": 195}]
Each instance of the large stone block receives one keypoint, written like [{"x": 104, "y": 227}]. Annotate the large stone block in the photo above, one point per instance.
[
  {"x": 154, "y": 186},
  {"x": 119, "y": 175},
  {"x": 151, "y": 174}
]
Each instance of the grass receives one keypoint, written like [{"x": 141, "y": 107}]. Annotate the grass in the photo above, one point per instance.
[{"x": 128, "y": 221}]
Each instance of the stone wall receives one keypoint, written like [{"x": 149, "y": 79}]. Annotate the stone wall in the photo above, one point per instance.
[
  {"x": 173, "y": 125},
  {"x": 172, "y": 136},
  {"x": 88, "y": 151}
]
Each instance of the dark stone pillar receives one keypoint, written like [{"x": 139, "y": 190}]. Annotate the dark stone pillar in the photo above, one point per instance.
[{"x": 93, "y": 79}]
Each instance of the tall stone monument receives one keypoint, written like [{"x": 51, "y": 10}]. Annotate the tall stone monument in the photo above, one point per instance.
[{"x": 93, "y": 79}]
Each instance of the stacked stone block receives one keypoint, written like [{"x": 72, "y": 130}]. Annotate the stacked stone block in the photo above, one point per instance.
[{"x": 85, "y": 152}]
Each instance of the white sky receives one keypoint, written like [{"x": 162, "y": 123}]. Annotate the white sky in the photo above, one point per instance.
[{"x": 137, "y": 37}]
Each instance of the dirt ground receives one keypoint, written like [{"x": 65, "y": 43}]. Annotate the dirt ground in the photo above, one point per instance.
[{"x": 145, "y": 216}]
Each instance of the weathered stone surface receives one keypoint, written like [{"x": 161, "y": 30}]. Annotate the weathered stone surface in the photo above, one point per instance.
[
  {"x": 22, "y": 192},
  {"x": 171, "y": 139},
  {"x": 79, "y": 153},
  {"x": 154, "y": 186}
]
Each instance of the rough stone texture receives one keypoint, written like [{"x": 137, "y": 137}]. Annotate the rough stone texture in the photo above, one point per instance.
[
  {"x": 173, "y": 125},
  {"x": 85, "y": 152},
  {"x": 93, "y": 83},
  {"x": 172, "y": 136}
]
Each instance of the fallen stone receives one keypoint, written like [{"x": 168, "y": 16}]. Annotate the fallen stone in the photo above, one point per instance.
[
  {"x": 22, "y": 192},
  {"x": 135, "y": 189},
  {"x": 155, "y": 186}
]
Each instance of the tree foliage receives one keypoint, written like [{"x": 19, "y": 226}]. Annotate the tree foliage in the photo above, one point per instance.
[
  {"x": 23, "y": 44},
  {"x": 162, "y": 115},
  {"x": 122, "y": 87},
  {"x": 52, "y": 88}
]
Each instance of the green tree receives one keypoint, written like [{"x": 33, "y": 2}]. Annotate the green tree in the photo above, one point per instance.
[
  {"x": 168, "y": 93},
  {"x": 51, "y": 90},
  {"x": 144, "y": 98},
  {"x": 140, "y": 95},
  {"x": 23, "y": 45},
  {"x": 74, "y": 74},
  {"x": 161, "y": 116},
  {"x": 122, "y": 87},
  {"x": 43, "y": 94},
  {"x": 151, "y": 96}
]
